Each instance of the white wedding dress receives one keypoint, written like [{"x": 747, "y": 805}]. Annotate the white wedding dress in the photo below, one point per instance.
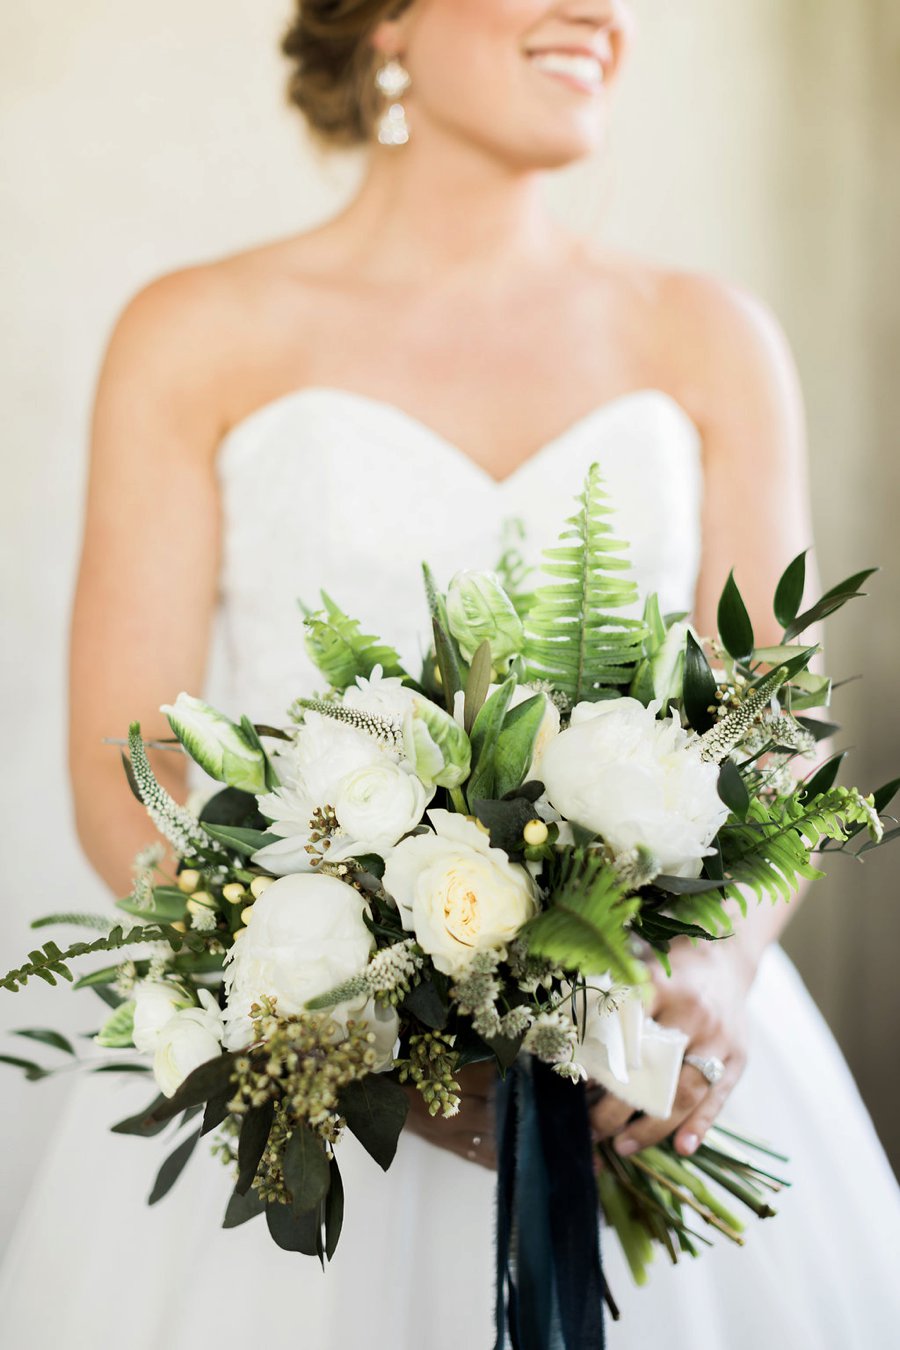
[{"x": 327, "y": 488}]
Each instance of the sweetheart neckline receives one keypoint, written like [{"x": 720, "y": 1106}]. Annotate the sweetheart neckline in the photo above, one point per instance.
[{"x": 385, "y": 408}]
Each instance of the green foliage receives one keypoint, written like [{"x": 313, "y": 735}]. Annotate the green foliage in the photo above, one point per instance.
[
  {"x": 99, "y": 922},
  {"x": 770, "y": 852},
  {"x": 172, "y": 1168},
  {"x": 375, "y": 1109},
  {"x": 336, "y": 645},
  {"x": 484, "y": 734},
  {"x": 789, "y": 591},
  {"x": 735, "y": 628},
  {"x": 571, "y": 637},
  {"x": 586, "y": 926},
  {"x": 49, "y": 962}
]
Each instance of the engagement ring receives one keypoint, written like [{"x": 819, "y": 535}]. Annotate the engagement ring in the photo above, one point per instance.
[{"x": 711, "y": 1067}]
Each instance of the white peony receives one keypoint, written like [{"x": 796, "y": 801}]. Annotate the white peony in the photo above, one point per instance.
[
  {"x": 636, "y": 780},
  {"x": 457, "y": 893},
  {"x": 304, "y": 935},
  {"x": 189, "y": 1038},
  {"x": 376, "y": 799},
  {"x": 620, "y": 1047},
  {"x": 155, "y": 1004}
]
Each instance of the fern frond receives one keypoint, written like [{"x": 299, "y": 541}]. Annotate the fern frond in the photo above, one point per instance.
[
  {"x": 586, "y": 927},
  {"x": 572, "y": 638},
  {"x": 336, "y": 645},
  {"x": 49, "y": 961},
  {"x": 770, "y": 851}
]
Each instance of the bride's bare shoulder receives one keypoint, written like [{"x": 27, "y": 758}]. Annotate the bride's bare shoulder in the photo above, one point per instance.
[{"x": 184, "y": 333}]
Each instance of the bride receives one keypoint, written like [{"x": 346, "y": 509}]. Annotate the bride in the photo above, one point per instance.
[{"x": 328, "y": 410}]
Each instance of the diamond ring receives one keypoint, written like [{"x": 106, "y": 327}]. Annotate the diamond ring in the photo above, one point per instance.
[{"x": 710, "y": 1066}]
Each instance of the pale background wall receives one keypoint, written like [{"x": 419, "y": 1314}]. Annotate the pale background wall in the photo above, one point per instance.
[{"x": 758, "y": 139}]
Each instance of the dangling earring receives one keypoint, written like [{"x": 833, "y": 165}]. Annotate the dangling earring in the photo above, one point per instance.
[{"x": 392, "y": 80}]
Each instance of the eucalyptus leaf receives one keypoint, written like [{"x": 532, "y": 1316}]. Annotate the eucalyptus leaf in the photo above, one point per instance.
[
  {"x": 206, "y": 1081},
  {"x": 172, "y": 1168},
  {"x": 145, "y": 1123},
  {"x": 252, "y": 1143},
  {"x": 306, "y": 1171},
  {"x": 33, "y": 1072},
  {"x": 334, "y": 1210},
  {"x": 47, "y": 1037},
  {"x": 375, "y": 1109},
  {"x": 295, "y": 1232},
  {"x": 425, "y": 1003},
  {"x": 243, "y": 1208}
]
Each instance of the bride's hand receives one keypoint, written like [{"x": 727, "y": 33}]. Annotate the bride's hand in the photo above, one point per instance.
[
  {"x": 706, "y": 997},
  {"x": 470, "y": 1133}
]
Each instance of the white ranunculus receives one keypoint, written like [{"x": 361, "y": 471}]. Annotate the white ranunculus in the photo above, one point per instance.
[
  {"x": 155, "y": 1004},
  {"x": 329, "y": 762},
  {"x": 636, "y": 780},
  {"x": 189, "y": 1038},
  {"x": 305, "y": 935},
  {"x": 625, "y": 1050},
  {"x": 375, "y": 807},
  {"x": 457, "y": 893}
]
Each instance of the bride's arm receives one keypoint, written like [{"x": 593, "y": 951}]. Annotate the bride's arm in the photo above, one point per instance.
[
  {"x": 147, "y": 578},
  {"x": 756, "y": 518}
]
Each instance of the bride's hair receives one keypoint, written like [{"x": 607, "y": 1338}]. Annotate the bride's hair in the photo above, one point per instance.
[{"x": 331, "y": 79}]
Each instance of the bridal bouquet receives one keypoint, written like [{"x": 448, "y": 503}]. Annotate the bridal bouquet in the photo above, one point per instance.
[{"x": 475, "y": 863}]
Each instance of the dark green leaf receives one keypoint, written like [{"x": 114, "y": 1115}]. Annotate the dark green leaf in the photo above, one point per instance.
[
  {"x": 47, "y": 1037},
  {"x": 478, "y": 682},
  {"x": 699, "y": 687},
  {"x": 375, "y": 1109},
  {"x": 145, "y": 1122},
  {"x": 884, "y": 795},
  {"x": 789, "y": 591},
  {"x": 242, "y": 1208},
  {"x": 295, "y": 1232},
  {"x": 234, "y": 807},
  {"x": 735, "y": 628},
  {"x": 32, "y": 1071},
  {"x": 505, "y": 820},
  {"x": 252, "y": 1143},
  {"x": 172, "y": 1168},
  {"x": 506, "y": 1049},
  {"x": 426, "y": 1004},
  {"x": 334, "y": 1210},
  {"x": 824, "y": 777},
  {"x": 484, "y": 734},
  {"x": 531, "y": 791},
  {"x": 887, "y": 838},
  {"x": 240, "y": 841},
  {"x": 832, "y": 600},
  {"x": 306, "y": 1171},
  {"x": 733, "y": 790},
  {"x": 132, "y": 781},
  {"x": 818, "y": 729},
  {"x": 216, "y": 1110},
  {"x": 685, "y": 885},
  {"x": 206, "y": 1081}
]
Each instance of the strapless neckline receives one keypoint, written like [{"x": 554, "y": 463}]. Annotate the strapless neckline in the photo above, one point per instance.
[{"x": 246, "y": 426}]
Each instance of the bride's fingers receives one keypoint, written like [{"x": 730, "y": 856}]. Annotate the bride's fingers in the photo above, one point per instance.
[
  {"x": 689, "y": 1097},
  {"x": 692, "y": 1130}
]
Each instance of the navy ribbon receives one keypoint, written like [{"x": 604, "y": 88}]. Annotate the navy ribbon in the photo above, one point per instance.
[{"x": 550, "y": 1284}]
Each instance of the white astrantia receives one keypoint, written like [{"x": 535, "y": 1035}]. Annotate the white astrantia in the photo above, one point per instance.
[
  {"x": 191, "y": 1037},
  {"x": 457, "y": 893},
  {"x": 305, "y": 935},
  {"x": 376, "y": 798},
  {"x": 637, "y": 780}
]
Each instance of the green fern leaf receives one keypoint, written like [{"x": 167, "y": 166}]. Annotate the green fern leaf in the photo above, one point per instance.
[
  {"x": 49, "y": 962},
  {"x": 587, "y": 925},
  {"x": 336, "y": 645},
  {"x": 572, "y": 637}
]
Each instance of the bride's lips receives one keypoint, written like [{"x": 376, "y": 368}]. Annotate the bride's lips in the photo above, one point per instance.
[{"x": 578, "y": 67}]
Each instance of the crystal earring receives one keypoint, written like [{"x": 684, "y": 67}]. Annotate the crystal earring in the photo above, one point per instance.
[{"x": 392, "y": 80}]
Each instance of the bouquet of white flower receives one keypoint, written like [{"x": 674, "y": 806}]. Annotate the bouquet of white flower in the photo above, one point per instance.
[{"x": 476, "y": 864}]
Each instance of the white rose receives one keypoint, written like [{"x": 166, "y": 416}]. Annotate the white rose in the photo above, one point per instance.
[
  {"x": 305, "y": 935},
  {"x": 375, "y": 807},
  {"x": 189, "y": 1039},
  {"x": 457, "y": 893},
  {"x": 155, "y": 1004},
  {"x": 636, "y": 779}
]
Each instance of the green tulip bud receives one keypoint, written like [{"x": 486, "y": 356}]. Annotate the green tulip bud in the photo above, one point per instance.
[
  {"x": 436, "y": 745},
  {"x": 222, "y": 749},
  {"x": 479, "y": 610}
]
